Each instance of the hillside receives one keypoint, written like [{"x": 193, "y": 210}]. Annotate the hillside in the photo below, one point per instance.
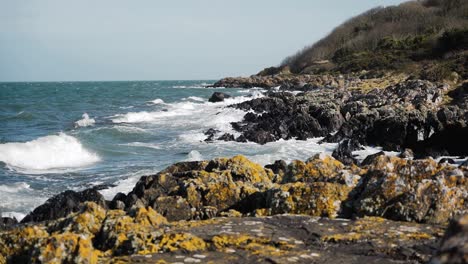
[{"x": 427, "y": 39}]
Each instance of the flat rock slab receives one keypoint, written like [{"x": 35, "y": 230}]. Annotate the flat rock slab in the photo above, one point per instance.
[{"x": 302, "y": 239}]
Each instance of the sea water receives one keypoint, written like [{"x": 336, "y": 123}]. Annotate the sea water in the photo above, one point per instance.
[{"x": 75, "y": 135}]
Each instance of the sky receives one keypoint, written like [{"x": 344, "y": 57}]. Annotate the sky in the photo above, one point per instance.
[{"x": 89, "y": 40}]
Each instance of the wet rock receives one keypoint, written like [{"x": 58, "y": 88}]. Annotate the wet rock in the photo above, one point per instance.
[
  {"x": 372, "y": 158},
  {"x": 218, "y": 97},
  {"x": 227, "y": 137},
  {"x": 211, "y": 134},
  {"x": 344, "y": 151},
  {"x": 285, "y": 116},
  {"x": 407, "y": 114},
  {"x": 446, "y": 161},
  {"x": 63, "y": 204},
  {"x": 454, "y": 245}
]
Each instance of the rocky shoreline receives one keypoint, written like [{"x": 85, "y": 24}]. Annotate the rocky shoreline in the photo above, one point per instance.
[
  {"x": 387, "y": 210},
  {"x": 328, "y": 209},
  {"x": 428, "y": 118}
]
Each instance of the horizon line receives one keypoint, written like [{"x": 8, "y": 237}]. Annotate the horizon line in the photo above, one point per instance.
[{"x": 148, "y": 80}]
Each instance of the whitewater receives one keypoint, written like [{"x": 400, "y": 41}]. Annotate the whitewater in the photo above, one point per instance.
[{"x": 77, "y": 135}]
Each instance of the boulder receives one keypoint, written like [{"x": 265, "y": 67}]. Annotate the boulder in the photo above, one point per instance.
[
  {"x": 63, "y": 204},
  {"x": 218, "y": 97},
  {"x": 412, "y": 190}
]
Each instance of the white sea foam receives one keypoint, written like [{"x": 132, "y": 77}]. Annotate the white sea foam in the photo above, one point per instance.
[
  {"x": 85, "y": 121},
  {"x": 143, "y": 145},
  {"x": 209, "y": 113},
  {"x": 19, "y": 216},
  {"x": 18, "y": 196},
  {"x": 14, "y": 188},
  {"x": 194, "y": 155},
  {"x": 157, "y": 101},
  {"x": 47, "y": 154},
  {"x": 368, "y": 150},
  {"x": 194, "y": 98}
]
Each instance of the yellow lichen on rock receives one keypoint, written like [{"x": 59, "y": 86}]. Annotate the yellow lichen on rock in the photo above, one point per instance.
[
  {"x": 66, "y": 247},
  {"x": 255, "y": 245},
  {"x": 318, "y": 168},
  {"x": 181, "y": 241}
]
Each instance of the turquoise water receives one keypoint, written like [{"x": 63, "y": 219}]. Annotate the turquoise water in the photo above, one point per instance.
[{"x": 75, "y": 135}]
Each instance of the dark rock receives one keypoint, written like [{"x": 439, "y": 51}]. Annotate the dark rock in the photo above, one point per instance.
[
  {"x": 446, "y": 161},
  {"x": 174, "y": 208},
  {"x": 227, "y": 137},
  {"x": 371, "y": 158},
  {"x": 63, "y": 204},
  {"x": 118, "y": 202},
  {"x": 7, "y": 222},
  {"x": 280, "y": 168},
  {"x": 453, "y": 248},
  {"x": 344, "y": 151},
  {"x": 211, "y": 134},
  {"x": 218, "y": 97},
  {"x": 286, "y": 116}
]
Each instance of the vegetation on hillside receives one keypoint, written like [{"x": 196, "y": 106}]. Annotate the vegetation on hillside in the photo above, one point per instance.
[{"x": 428, "y": 38}]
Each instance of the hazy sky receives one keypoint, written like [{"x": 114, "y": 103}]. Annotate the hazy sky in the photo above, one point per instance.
[{"x": 53, "y": 40}]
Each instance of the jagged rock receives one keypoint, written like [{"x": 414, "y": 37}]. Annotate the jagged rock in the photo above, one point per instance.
[
  {"x": 372, "y": 158},
  {"x": 344, "y": 151},
  {"x": 154, "y": 222},
  {"x": 211, "y": 134},
  {"x": 63, "y": 204},
  {"x": 285, "y": 116},
  {"x": 412, "y": 190},
  {"x": 409, "y": 114},
  {"x": 220, "y": 183},
  {"x": 454, "y": 245},
  {"x": 218, "y": 97},
  {"x": 227, "y": 137}
]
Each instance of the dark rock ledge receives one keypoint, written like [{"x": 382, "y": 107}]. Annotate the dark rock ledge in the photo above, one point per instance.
[{"x": 430, "y": 119}]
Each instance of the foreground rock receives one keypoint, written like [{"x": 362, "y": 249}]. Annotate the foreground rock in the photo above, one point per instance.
[
  {"x": 95, "y": 235},
  {"x": 414, "y": 114},
  {"x": 231, "y": 209},
  {"x": 454, "y": 246}
]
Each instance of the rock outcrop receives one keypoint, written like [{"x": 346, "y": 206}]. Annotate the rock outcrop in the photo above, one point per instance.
[
  {"x": 232, "y": 209},
  {"x": 94, "y": 235},
  {"x": 412, "y": 114}
]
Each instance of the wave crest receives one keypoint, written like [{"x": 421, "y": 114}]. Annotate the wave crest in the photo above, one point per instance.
[
  {"x": 47, "y": 153},
  {"x": 85, "y": 121}
]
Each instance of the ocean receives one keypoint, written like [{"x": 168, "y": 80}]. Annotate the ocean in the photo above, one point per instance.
[{"x": 57, "y": 136}]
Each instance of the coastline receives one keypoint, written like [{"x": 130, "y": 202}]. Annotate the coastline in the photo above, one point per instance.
[{"x": 227, "y": 206}]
